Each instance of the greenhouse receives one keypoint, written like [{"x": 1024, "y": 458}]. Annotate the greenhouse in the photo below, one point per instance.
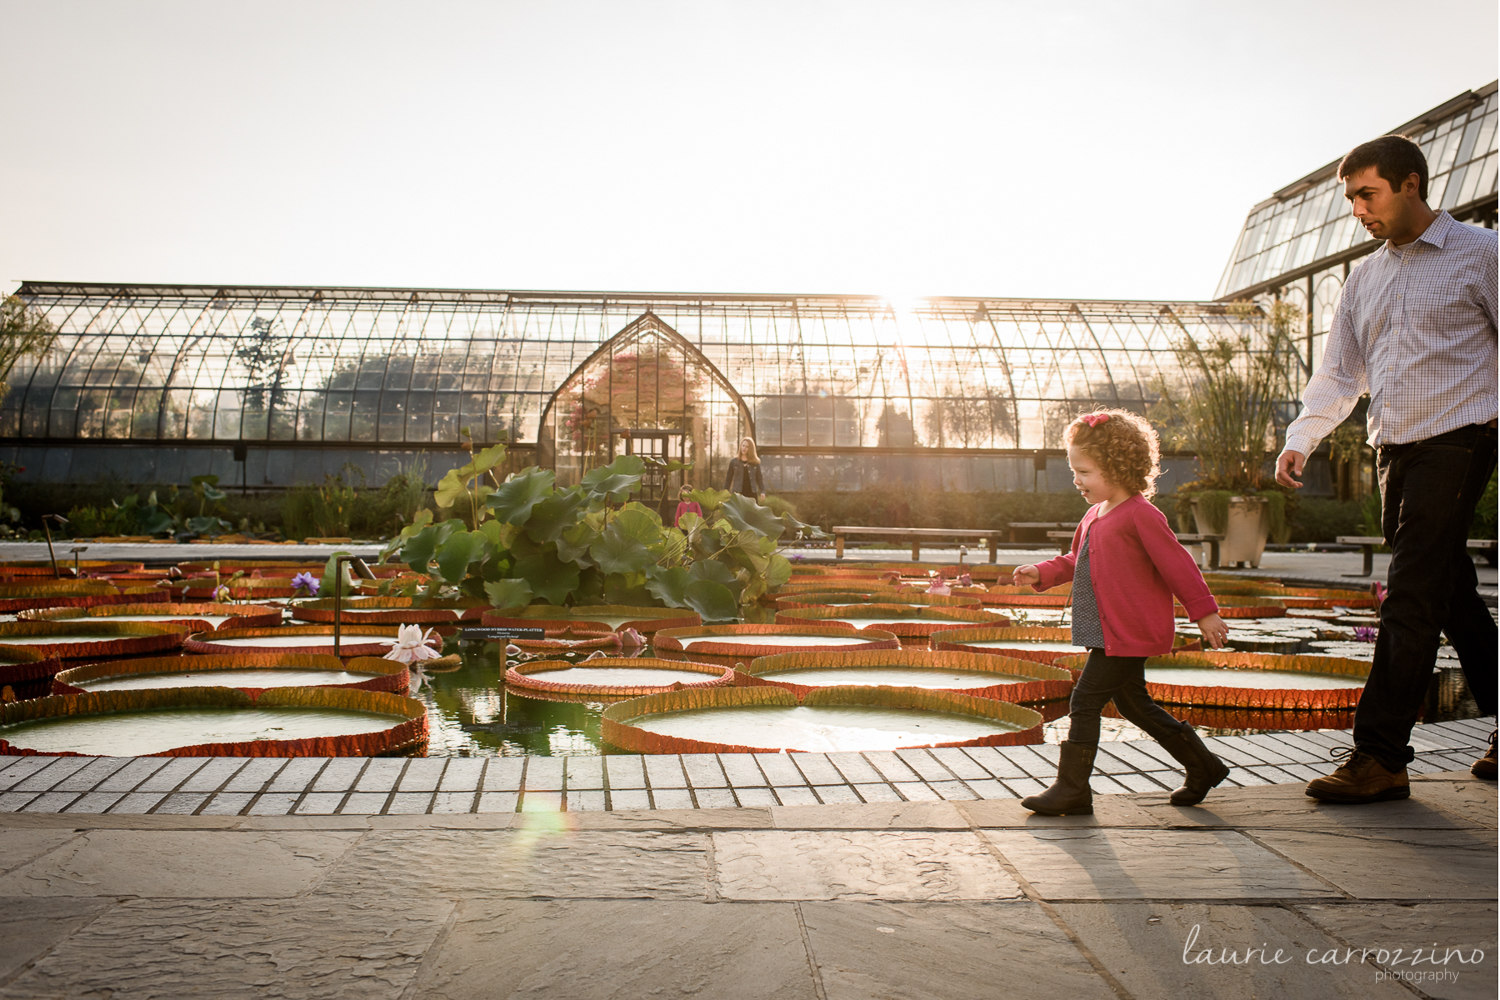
[{"x": 266, "y": 387}]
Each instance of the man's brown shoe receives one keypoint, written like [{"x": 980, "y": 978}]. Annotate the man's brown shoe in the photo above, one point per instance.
[
  {"x": 1360, "y": 779},
  {"x": 1484, "y": 767}
]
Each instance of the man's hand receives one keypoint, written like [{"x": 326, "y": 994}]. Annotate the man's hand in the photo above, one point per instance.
[
  {"x": 1025, "y": 576},
  {"x": 1289, "y": 468}
]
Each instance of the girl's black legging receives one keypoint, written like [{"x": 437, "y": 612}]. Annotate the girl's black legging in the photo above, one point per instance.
[{"x": 1121, "y": 679}]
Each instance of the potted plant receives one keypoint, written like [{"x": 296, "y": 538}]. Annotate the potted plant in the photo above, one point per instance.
[{"x": 1222, "y": 405}]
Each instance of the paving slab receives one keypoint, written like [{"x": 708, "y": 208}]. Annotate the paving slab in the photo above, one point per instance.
[
  {"x": 20, "y": 846},
  {"x": 953, "y": 951},
  {"x": 1414, "y": 864},
  {"x": 29, "y": 928},
  {"x": 1114, "y": 810},
  {"x": 857, "y": 865},
  {"x": 1152, "y": 864},
  {"x": 871, "y": 816},
  {"x": 171, "y": 863},
  {"x": 1220, "y": 952},
  {"x": 523, "y": 863},
  {"x": 308, "y": 948},
  {"x": 1424, "y": 941},
  {"x": 623, "y": 950},
  {"x": 1452, "y": 804}
]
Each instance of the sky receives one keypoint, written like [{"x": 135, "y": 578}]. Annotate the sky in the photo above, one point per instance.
[{"x": 935, "y": 147}]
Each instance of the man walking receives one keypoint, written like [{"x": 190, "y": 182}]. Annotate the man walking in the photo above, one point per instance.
[{"x": 1415, "y": 328}]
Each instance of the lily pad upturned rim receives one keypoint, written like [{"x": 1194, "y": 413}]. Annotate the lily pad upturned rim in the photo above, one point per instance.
[
  {"x": 385, "y": 675},
  {"x": 394, "y": 610},
  {"x": 963, "y": 639},
  {"x": 817, "y": 599},
  {"x": 349, "y": 636},
  {"x": 670, "y": 640},
  {"x": 919, "y": 623},
  {"x": 1248, "y": 607},
  {"x": 1032, "y": 679},
  {"x": 410, "y": 732},
  {"x": 115, "y": 638},
  {"x": 521, "y": 676},
  {"x": 1298, "y": 699},
  {"x": 641, "y": 619},
  {"x": 253, "y": 615},
  {"x": 615, "y": 727}
]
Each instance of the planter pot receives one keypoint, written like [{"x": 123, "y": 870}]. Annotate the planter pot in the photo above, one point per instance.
[{"x": 1245, "y": 536}]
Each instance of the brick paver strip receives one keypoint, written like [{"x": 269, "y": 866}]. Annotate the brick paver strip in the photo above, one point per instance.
[
  {"x": 879, "y": 792},
  {"x": 49, "y": 776},
  {"x": 926, "y": 766},
  {"x": 916, "y": 791},
  {"x": 779, "y": 770},
  {"x": 704, "y": 771},
  {"x": 1262, "y": 753},
  {"x": 855, "y": 768},
  {"x": 995, "y": 762},
  {"x": 741, "y": 769},
  {"x": 665, "y": 771},
  {"x": 796, "y": 795},
  {"x": 831, "y": 794},
  {"x": 750, "y": 797},
  {"x": 463, "y": 802},
  {"x": 177, "y": 804},
  {"x": 958, "y": 763},
  {"x": 327, "y": 803},
  {"x": 710, "y": 798},
  {"x": 625, "y": 771},
  {"x": 209, "y": 777},
  {"x": 891, "y": 767},
  {"x": 95, "y": 802},
  {"x": 381, "y": 775},
  {"x": 503, "y": 774},
  {"x": 462, "y": 774},
  {"x": 132, "y": 774},
  {"x": 817, "y": 769},
  {"x": 254, "y": 775},
  {"x": 544, "y": 774},
  {"x": 297, "y": 774},
  {"x": 273, "y": 804},
  {"x": 423, "y": 774},
  {"x": 91, "y": 774},
  {"x": 672, "y": 798},
  {"x": 584, "y": 774},
  {"x": 50, "y": 802},
  {"x": 139, "y": 803},
  {"x": 227, "y": 804},
  {"x": 340, "y": 774},
  {"x": 587, "y": 801},
  {"x": 629, "y": 798}
]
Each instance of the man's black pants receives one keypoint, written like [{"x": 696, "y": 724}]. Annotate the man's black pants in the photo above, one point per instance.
[{"x": 1428, "y": 490}]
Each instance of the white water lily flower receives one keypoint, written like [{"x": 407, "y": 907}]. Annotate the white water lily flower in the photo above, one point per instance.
[{"x": 410, "y": 645}]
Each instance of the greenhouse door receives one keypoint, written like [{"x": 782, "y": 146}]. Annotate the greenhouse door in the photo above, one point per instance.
[{"x": 657, "y": 447}]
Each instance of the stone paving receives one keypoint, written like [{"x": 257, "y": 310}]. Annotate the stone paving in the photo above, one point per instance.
[
  {"x": 319, "y": 786},
  {"x": 1260, "y": 892}
]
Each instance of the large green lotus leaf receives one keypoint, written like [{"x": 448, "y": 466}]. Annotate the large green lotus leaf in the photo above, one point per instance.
[
  {"x": 709, "y": 499},
  {"x": 713, "y": 571},
  {"x": 671, "y": 546},
  {"x": 689, "y": 521},
  {"x": 650, "y": 512},
  {"x": 458, "y": 551},
  {"x": 779, "y": 571},
  {"x": 551, "y": 517},
  {"x": 627, "y": 589},
  {"x": 713, "y": 601},
  {"x": 638, "y": 523},
  {"x": 513, "y": 500},
  {"x": 508, "y": 593},
  {"x": 669, "y": 585},
  {"x": 330, "y": 584},
  {"x": 549, "y": 577},
  {"x": 617, "y": 480},
  {"x": 420, "y": 547},
  {"x": 153, "y": 521},
  {"x": 742, "y": 513},
  {"x": 450, "y": 489},
  {"x": 617, "y": 552},
  {"x": 573, "y": 544}
]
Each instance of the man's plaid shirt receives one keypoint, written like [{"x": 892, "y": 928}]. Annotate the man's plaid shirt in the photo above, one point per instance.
[{"x": 1415, "y": 328}]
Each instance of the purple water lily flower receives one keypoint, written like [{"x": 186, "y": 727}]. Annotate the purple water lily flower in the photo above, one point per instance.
[
  {"x": 305, "y": 581},
  {"x": 1364, "y": 633}
]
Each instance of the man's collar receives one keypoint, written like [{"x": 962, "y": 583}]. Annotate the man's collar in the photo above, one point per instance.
[{"x": 1436, "y": 232}]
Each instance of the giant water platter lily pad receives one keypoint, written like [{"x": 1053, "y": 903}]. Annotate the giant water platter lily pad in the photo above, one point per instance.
[
  {"x": 92, "y": 639},
  {"x": 773, "y": 719},
  {"x": 196, "y": 617},
  {"x": 17, "y": 596},
  {"x": 1253, "y": 680},
  {"x": 910, "y": 598},
  {"x": 248, "y": 672},
  {"x": 355, "y": 640},
  {"x": 717, "y": 643},
  {"x": 908, "y": 623},
  {"x": 1001, "y": 677},
  {"x": 593, "y": 618},
  {"x": 393, "y": 611},
  {"x": 1045, "y": 644},
  {"x": 215, "y": 722},
  {"x": 612, "y": 677}
]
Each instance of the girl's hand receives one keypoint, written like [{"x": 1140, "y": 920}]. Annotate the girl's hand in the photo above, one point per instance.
[
  {"x": 1215, "y": 632},
  {"x": 1025, "y": 576}
]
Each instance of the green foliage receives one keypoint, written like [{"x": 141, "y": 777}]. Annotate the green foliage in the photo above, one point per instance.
[
  {"x": 1370, "y": 516},
  {"x": 924, "y": 506},
  {"x": 1318, "y": 519},
  {"x": 25, "y": 331},
  {"x": 1224, "y": 407},
  {"x": 129, "y": 516},
  {"x": 320, "y": 511}
]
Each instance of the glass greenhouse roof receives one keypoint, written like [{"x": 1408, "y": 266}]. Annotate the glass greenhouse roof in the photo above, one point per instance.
[
  {"x": 412, "y": 367},
  {"x": 1306, "y": 227}
]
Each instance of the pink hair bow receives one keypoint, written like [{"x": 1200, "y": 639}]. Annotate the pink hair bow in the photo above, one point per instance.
[{"x": 1094, "y": 419}]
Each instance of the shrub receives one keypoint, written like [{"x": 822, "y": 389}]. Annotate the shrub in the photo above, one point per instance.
[{"x": 1318, "y": 519}]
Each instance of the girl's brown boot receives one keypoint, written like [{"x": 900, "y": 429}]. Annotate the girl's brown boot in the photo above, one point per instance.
[{"x": 1070, "y": 794}]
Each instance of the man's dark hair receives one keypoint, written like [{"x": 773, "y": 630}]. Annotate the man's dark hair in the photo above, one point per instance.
[{"x": 1394, "y": 157}]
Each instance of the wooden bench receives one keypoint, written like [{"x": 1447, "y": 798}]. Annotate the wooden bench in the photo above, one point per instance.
[
  {"x": 917, "y": 536},
  {"x": 1367, "y": 544},
  {"x": 1016, "y": 527},
  {"x": 1065, "y": 538}
]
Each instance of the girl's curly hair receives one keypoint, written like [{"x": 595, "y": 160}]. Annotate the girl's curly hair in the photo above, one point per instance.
[{"x": 1123, "y": 443}]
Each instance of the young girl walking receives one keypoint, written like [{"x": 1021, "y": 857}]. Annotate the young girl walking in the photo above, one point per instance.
[{"x": 1125, "y": 565}]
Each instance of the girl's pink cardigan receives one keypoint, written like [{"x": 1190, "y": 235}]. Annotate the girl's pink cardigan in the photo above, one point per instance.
[{"x": 1136, "y": 564}]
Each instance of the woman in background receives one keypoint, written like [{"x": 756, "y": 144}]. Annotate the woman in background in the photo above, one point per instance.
[{"x": 744, "y": 473}]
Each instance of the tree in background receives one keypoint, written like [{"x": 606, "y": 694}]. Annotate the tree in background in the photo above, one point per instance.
[{"x": 24, "y": 332}]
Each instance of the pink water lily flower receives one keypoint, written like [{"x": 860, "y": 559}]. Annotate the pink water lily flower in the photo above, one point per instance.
[
  {"x": 630, "y": 638},
  {"x": 410, "y": 645}
]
